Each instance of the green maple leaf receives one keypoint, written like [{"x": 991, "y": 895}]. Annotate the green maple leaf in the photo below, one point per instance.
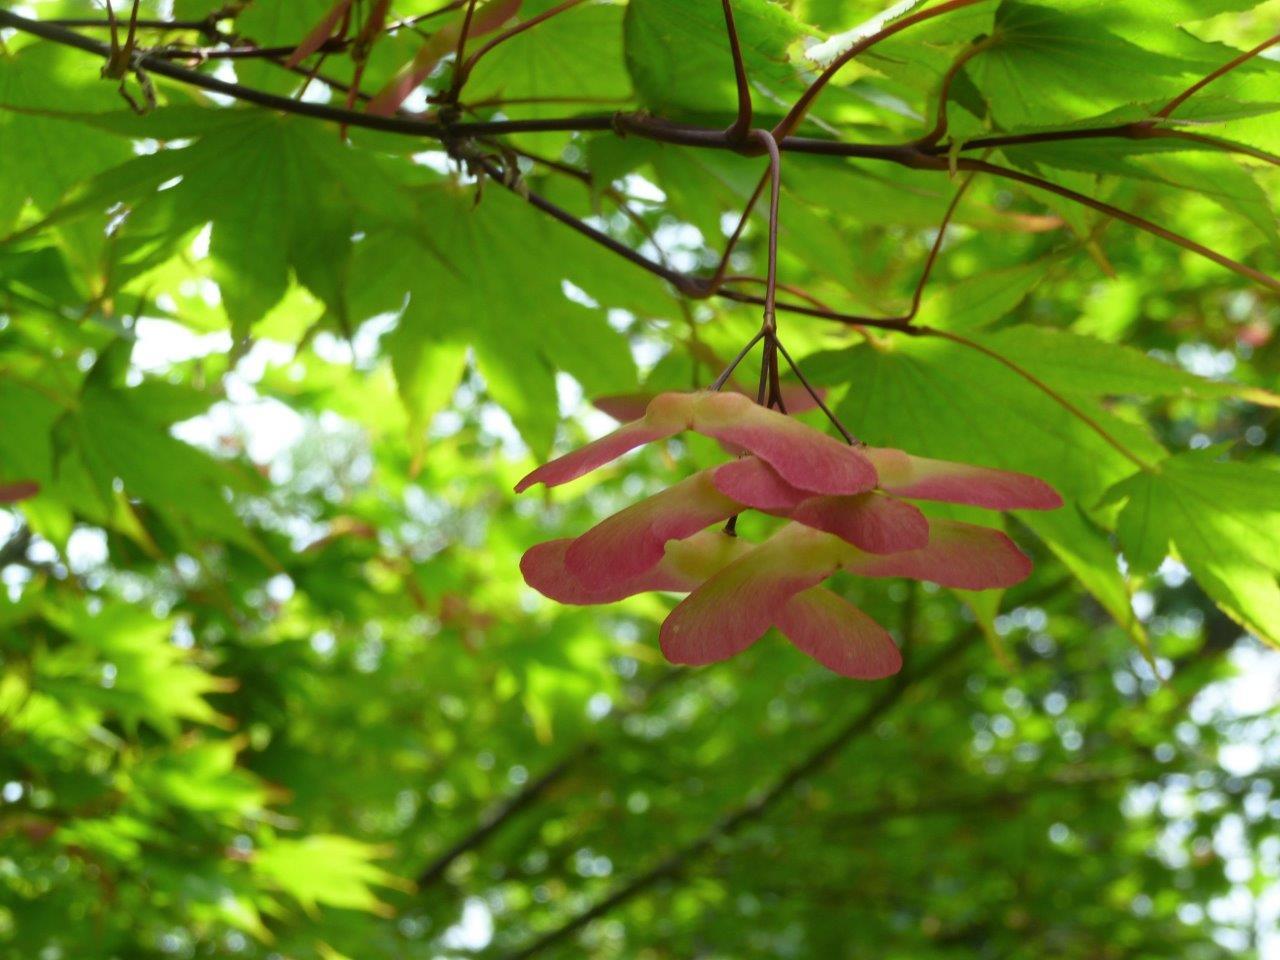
[{"x": 1223, "y": 521}]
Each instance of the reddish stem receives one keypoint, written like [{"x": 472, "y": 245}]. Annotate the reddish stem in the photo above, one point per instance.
[{"x": 798, "y": 112}]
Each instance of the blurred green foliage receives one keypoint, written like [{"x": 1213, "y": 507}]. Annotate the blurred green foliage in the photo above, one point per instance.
[{"x": 273, "y": 687}]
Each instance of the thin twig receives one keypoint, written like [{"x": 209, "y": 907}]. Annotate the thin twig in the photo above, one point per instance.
[
  {"x": 798, "y": 112},
  {"x": 1143, "y": 130},
  {"x": 721, "y": 380},
  {"x": 742, "y": 123},
  {"x": 941, "y": 122},
  {"x": 464, "y": 71},
  {"x": 791, "y": 288},
  {"x": 917, "y": 295},
  {"x": 1168, "y": 109},
  {"x": 817, "y": 398},
  {"x": 775, "y": 200},
  {"x": 1044, "y": 388},
  {"x": 717, "y": 278},
  {"x": 461, "y": 48}
]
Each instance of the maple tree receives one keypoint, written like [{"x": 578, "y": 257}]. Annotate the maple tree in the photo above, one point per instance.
[{"x": 269, "y": 654}]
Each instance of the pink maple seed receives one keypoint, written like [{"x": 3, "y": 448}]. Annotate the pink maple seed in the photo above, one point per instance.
[
  {"x": 924, "y": 479},
  {"x": 545, "y": 570},
  {"x": 802, "y": 456},
  {"x": 959, "y": 555},
  {"x": 631, "y": 406},
  {"x": 838, "y": 635},
  {"x": 667, "y": 415},
  {"x": 624, "y": 407},
  {"x": 22, "y": 490},
  {"x": 755, "y": 484},
  {"x": 635, "y": 539},
  {"x": 685, "y": 565},
  {"x": 873, "y": 522},
  {"x": 736, "y": 607}
]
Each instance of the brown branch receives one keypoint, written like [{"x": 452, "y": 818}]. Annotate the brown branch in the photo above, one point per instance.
[
  {"x": 684, "y": 284},
  {"x": 917, "y": 294},
  {"x": 791, "y": 288},
  {"x": 1217, "y": 143},
  {"x": 243, "y": 52},
  {"x": 584, "y": 177},
  {"x": 652, "y": 128},
  {"x": 1142, "y": 130},
  {"x": 775, "y": 199},
  {"x": 494, "y": 819}
]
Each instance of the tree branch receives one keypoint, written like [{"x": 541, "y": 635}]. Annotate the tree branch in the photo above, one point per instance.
[
  {"x": 14, "y": 550},
  {"x": 431, "y": 129},
  {"x": 909, "y": 155},
  {"x": 496, "y": 817}
]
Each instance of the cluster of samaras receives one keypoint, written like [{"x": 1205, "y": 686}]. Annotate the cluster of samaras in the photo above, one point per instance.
[{"x": 843, "y": 511}]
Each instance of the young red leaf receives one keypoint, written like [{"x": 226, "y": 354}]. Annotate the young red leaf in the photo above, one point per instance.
[
  {"x": 488, "y": 17},
  {"x": 319, "y": 34},
  {"x": 22, "y": 490}
]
